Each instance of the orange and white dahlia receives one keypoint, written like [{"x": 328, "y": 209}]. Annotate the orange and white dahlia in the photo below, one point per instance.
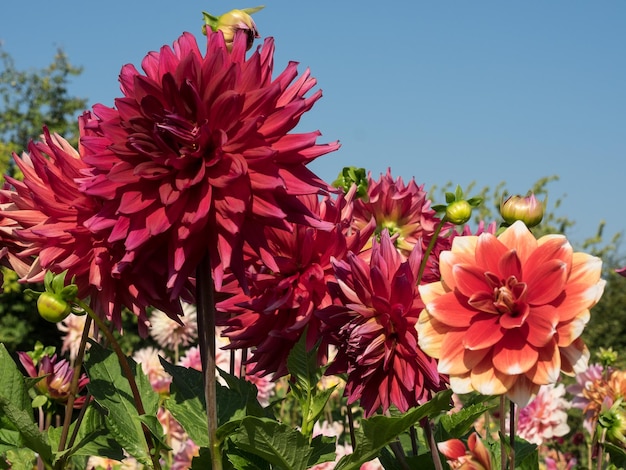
[{"x": 509, "y": 311}]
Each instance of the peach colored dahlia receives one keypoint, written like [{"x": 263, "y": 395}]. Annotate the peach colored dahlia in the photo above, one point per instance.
[
  {"x": 197, "y": 156},
  {"x": 508, "y": 313}
]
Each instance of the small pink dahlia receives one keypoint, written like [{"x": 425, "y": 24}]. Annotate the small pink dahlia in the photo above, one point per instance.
[
  {"x": 197, "y": 156},
  {"x": 373, "y": 326},
  {"x": 545, "y": 417}
]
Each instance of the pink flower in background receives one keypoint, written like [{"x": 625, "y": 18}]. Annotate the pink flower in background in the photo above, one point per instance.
[
  {"x": 508, "y": 313},
  {"x": 373, "y": 326},
  {"x": 197, "y": 157},
  {"x": 286, "y": 289},
  {"x": 148, "y": 357},
  {"x": 587, "y": 380},
  {"x": 545, "y": 417},
  {"x": 72, "y": 330},
  {"x": 56, "y": 376},
  {"x": 173, "y": 334}
]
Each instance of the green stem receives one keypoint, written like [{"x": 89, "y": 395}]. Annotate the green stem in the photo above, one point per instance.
[
  {"x": 128, "y": 373},
  {"x": 434, "y": 452},
  {"x": 69, "y": 407},
  {"x": 512, "y": 434},
  {"x": 503, "y": 456},
  {"x": 205, "y": 305},
  {"x": 429, "y": 249}
]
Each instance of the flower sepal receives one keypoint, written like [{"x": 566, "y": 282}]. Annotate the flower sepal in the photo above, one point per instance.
[{"x": 457, "y": 209}]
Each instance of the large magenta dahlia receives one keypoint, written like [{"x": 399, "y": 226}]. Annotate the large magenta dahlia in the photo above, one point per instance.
[
  {"x": 373, "y": 326},
  {"x": 197, "y": 156}
]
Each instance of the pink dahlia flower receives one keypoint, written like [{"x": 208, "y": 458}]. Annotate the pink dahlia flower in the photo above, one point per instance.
[
  {"x": 56, "y": 377},
  {"x": 403, "y": 210},
  {"x": 545, "y": 417},
  {"x": 197, "y": 156},
  {"x": 287, "y": 289},
  {"x": 508, "y": 313},
  {"x": 373, "y": 327},
  {"x": 50, "y": 212}
]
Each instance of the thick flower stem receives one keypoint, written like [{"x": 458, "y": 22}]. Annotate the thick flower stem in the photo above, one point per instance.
[
  {"x": 512, "y": 434},
  {"x": 503, "y": 453},
  {"x": 128, "y": 373},
  {"x": 205, "y": 305},
  {"x": 429, "y": 249},
  {"x": 78, "y": 365},
  {"x": 430, "y": 438}
]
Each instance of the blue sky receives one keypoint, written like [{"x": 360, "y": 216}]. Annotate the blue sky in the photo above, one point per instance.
[{"x": 443, "y": 91}]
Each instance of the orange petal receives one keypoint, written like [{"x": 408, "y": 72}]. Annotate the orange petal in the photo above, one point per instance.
[
  {"x": 430, "y": 334},
  {"x": 542, "y": 322},
  {"x": 574, "y": 358},
  {"x": 484, "y": 332},
  {"x": 487, "y": 380},
  {"x": 489, "y": 253},
  {"x": 567, "y": 332},
  {"x": 546, "y": 282},
  {"x": 548, "y": 366},
  {"x": 447, "y": 309},
  {"x": 517, "y": 237},
  {"x": 449, "y": 259},
  {"x": 513, "y": 355},
  {"x": 454, "y": 358},
  {"x": 461, "y": 384},
  {"x": 432, "y": 291},
  {"x": 470, "y": 279},
  {"x": 523, "y": 391}
]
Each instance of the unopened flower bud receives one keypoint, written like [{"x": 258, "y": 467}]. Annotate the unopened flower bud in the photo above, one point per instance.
[
  {"x": 232, "y": 22},
  {"x": 351, "y": 175},
  {"x": 613, "y": 420},
  {"x": 459, "y": 212},
  {"x": 525, "y": 208}
]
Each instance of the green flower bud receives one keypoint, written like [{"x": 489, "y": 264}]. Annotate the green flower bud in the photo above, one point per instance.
[
  {"x": 525, "y": 208},
  {"x": 351, "y": 175},
  {"x": 613, "y": 421},
  {"x": 459, "y": 212},
  {"x": 52, "y": 307}
]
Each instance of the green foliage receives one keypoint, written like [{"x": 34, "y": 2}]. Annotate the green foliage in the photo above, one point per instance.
[
  {"x": 113, "y": 394},
  {"x": 30, "y": 99}
]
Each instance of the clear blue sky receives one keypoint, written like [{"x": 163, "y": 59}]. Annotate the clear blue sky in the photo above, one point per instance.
[{"x": 459, "y": 91}]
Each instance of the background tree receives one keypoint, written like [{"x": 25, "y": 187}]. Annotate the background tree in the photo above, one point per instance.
[{"x": 30, "y": 99}]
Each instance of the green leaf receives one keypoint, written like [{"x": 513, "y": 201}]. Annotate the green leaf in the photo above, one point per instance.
[
  {"x": 93, "y": 438},
  {"x": 277, "y": 443},
  {"x": 21, "y": 459},
  {"x": 186, "y": 402},
  {"x": 459, "y": 424},
  {"x": 323, "y": 449},
  {"x": 12, "y": 385},
  {"x": 112, "y": 392},
  {"x": 378, "y": 431},
  {"x": 23, "y": 421},
  {"x": 302, "y": 366}
]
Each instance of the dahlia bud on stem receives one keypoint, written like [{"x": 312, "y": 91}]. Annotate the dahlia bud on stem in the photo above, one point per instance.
[
  {"x": 232, "y": 22},
  {"x": 525, "y": 208}
]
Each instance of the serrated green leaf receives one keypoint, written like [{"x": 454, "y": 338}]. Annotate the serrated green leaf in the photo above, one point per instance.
[
  {"x": 112, "y": 392},
  {"x": 318, "y": 403},
  {"x": 459, "y": 423},
  {"x": 239, "y": 460},
  {"x": 378, "y": 431},
  {"x": 323, "y": 449},
  {"x": 302, "y": 365},
  {"x": 22, "y": 419},
  {"x": 12, "y": 384},
  {"x": 93, "y": 438},
  {"x": 277, "y": 443},
  {"x": 186, "y": 402}
]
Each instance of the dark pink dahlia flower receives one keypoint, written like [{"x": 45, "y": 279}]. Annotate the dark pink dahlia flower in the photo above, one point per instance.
[
  {"x": 197, "y": 156},
  {"x": 401, "y": 209},
  {"x": 284, "y": 296},
  {"x": 373, "y": 326},
  {"x": 49, "y": 211}
]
